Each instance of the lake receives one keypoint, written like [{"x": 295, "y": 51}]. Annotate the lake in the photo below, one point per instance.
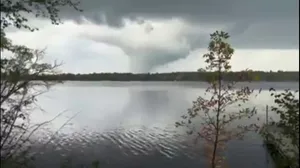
[{"x": 132, "y": 125}]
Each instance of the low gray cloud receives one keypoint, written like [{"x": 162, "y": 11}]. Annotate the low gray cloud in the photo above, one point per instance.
[
  {"x": 193, "y": 10},
  {"x": 253, "y": 23}
]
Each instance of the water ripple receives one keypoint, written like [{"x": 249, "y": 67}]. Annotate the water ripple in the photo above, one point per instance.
[{"x": 125, "y": 145}]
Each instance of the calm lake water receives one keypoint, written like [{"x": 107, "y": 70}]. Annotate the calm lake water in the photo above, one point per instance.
[{"x": 131, "y": 125}]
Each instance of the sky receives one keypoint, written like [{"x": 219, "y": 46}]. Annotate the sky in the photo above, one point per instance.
[{"x": 167, "y": 35}]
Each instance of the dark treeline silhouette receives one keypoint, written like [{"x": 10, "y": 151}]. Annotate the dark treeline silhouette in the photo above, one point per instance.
[{"x": 173, "y": 76}]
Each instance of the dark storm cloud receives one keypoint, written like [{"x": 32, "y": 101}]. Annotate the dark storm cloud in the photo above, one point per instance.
[
  {"x": 278, "y": 18},
  {"x": 196, "y": 10},
  {"x": 252, "y": 24}
]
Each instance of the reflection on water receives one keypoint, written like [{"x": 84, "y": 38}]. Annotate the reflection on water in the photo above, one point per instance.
[
  {"x": 153, "y": 107},
  {"x": 132, "y": 125}
]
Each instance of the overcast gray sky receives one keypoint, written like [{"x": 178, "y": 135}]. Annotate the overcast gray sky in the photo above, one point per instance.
[{"x": 168, "y": 35}]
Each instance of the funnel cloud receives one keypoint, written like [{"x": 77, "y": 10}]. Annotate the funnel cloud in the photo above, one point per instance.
[{"x": 144, "y": 36}]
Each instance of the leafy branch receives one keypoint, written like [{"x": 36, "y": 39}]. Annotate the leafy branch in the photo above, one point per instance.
[{"x": 215, "y": 117}]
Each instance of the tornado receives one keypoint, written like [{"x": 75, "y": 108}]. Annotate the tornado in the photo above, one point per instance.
[{"x": 145, "y": 47}]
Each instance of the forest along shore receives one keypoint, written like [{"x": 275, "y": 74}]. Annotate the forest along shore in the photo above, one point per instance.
[{"x": 279, "y": 76}]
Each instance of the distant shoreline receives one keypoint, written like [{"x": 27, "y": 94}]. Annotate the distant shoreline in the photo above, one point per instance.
[
  {"x": 273, "y": 81},
  {"x": 280, "y": 76},
  {"x": 160, "y": 81}
]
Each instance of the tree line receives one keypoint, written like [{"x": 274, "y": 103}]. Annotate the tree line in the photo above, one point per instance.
[{"x": 173, "y": 76}]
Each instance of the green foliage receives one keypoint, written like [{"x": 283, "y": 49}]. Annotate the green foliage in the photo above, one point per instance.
[
  {"x": 279, "y": 160},
  {"x": 288, "y": 110},
  {"x": 283, "y": 134},
  {"x": 220, "y": 52},
  {"x": 18, "y": 94},
  {"x": 12, "y": 11},
  {"x": 216, "y": 122},
  {"x": 17, "y": 99}
]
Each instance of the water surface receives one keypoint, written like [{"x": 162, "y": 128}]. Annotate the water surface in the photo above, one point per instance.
[{"x": 131, "y": 124}]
